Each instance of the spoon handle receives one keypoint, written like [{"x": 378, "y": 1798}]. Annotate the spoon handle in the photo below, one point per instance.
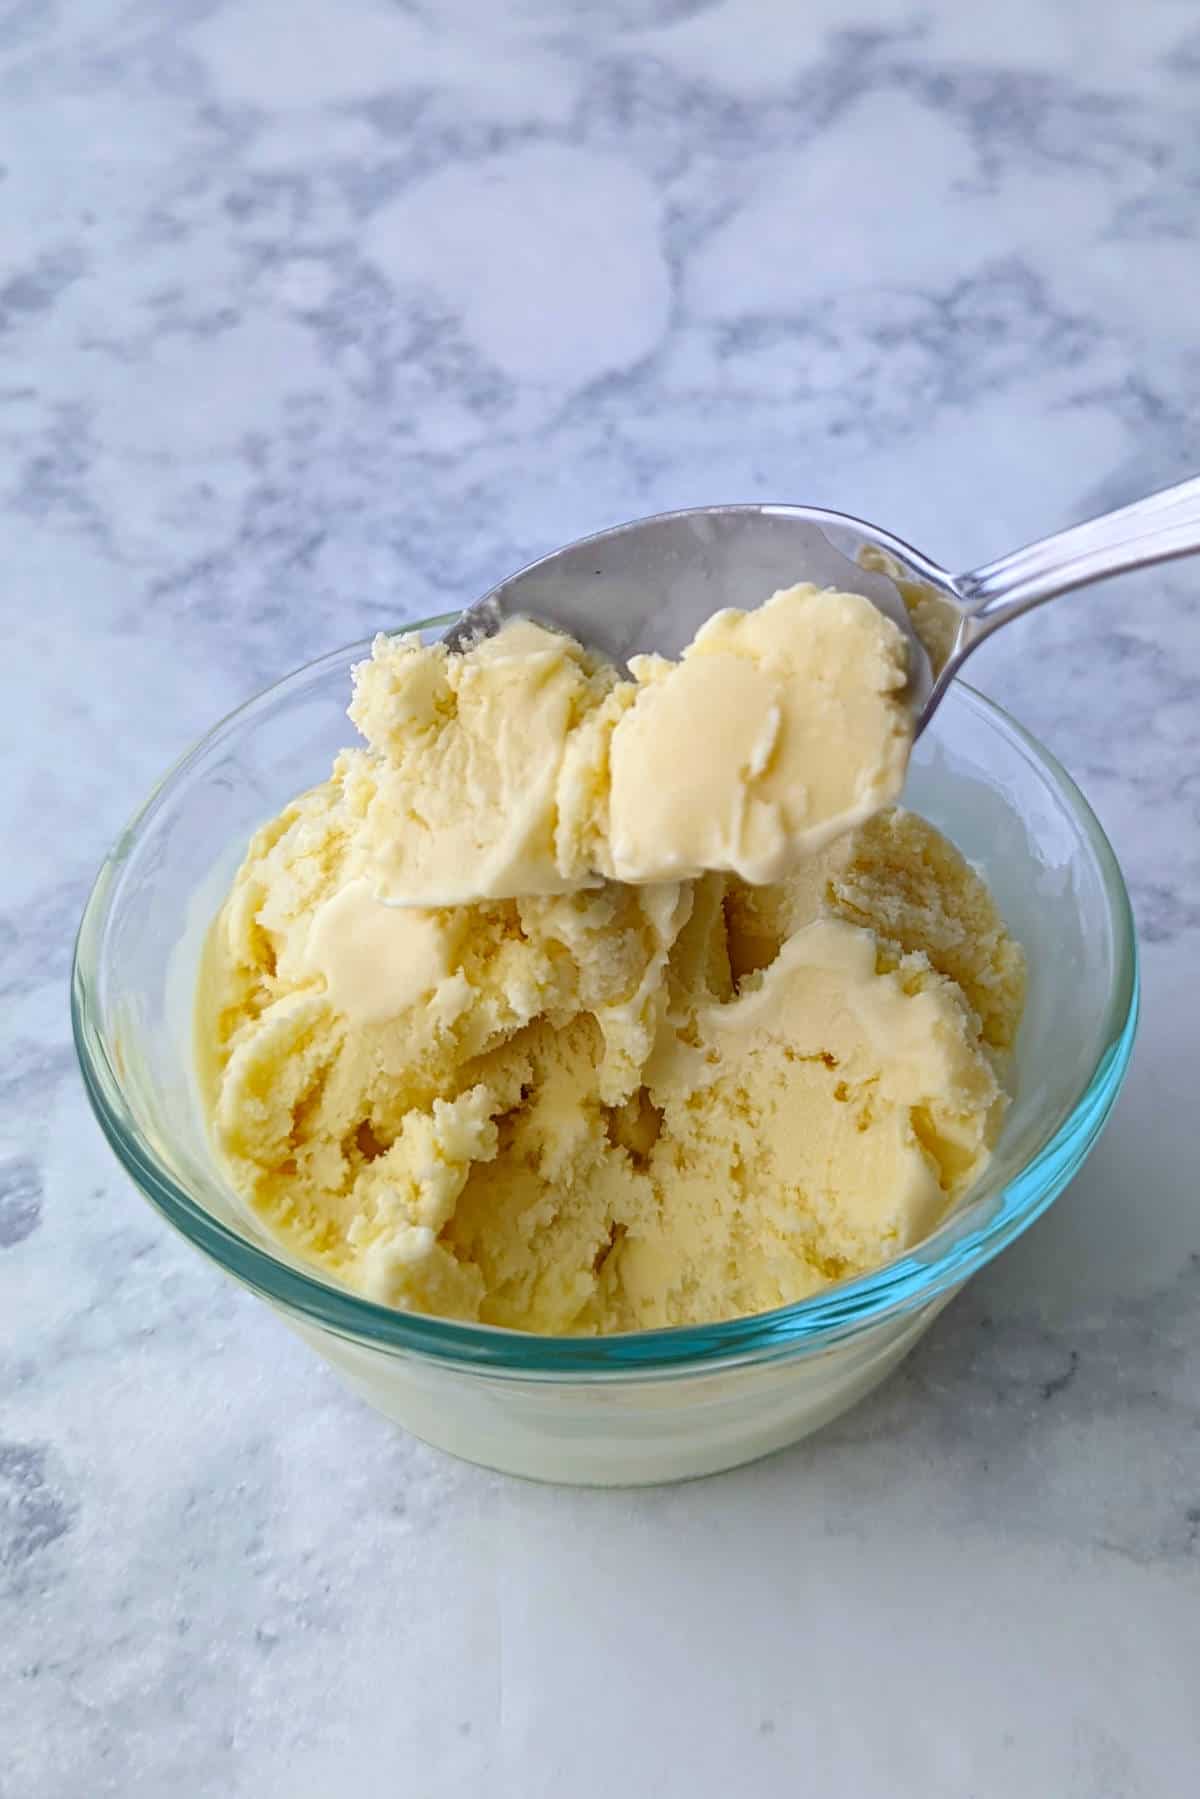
[{"x": 1154, "y": 529}]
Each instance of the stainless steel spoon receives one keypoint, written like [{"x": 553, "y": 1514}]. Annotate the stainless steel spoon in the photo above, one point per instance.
[{"x": 650, "y": 584}]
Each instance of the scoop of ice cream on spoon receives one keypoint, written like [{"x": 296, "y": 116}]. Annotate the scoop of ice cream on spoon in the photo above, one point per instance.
[
  {"x": 528, "y": 764},
  {"x": 628, "y": 708}
]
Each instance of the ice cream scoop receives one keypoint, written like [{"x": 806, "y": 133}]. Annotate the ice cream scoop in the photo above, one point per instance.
[
  {"x": 650, "y": 584},
  {"x": 519, "y": 765}
]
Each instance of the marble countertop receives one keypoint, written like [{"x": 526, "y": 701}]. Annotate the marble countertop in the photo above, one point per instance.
[{"x": 314, "y": 317}]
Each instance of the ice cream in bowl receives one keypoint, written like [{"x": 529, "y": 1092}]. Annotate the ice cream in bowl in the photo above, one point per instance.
[{"x": 610, "y": 1071}]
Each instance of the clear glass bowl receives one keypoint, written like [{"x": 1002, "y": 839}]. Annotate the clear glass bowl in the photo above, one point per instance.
[{"x": 645, "y": 1406}]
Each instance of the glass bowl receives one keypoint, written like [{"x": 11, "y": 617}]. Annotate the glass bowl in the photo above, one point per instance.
[{"x": 649, "y": 1405}]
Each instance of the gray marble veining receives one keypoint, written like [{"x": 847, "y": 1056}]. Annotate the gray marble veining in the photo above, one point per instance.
[{"x": 315, "y": 318}]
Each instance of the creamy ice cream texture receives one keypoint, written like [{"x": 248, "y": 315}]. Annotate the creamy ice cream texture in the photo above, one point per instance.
[
  {"x": 528, "y": 767},
  {"x": 607, "y": 1082}
]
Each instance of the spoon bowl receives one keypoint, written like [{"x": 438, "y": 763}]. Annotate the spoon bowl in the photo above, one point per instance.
[{"x": 650, "y": 584}]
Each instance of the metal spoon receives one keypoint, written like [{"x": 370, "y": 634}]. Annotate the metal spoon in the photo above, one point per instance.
[{"x": 650, "y": 584}]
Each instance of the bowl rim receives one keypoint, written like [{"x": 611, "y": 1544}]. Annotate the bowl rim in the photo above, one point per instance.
[{"x": 934, "y": 1267}]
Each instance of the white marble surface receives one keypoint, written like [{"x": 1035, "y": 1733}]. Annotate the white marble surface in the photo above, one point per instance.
[{"x": 316, "y": 315}]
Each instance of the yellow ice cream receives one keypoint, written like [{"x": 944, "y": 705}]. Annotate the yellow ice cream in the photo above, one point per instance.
[
  {"x": 777, "y": 731},
  {"x": 614, "y": 1105},
  {"x": 528, "y": 767}
]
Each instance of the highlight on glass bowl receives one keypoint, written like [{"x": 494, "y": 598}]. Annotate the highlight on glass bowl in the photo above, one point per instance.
[{"x": 610, "y": 1072}]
